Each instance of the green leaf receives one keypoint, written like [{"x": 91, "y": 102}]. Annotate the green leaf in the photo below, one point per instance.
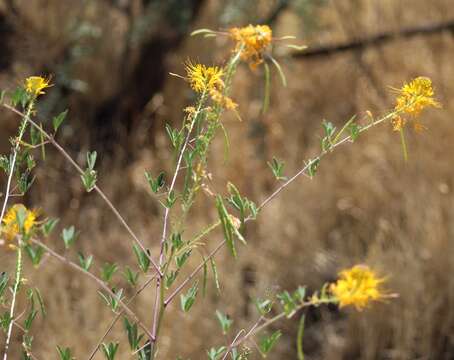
[
  {"x": 155, "y": 184},
  {"x": 89, "y": 178},
  {"x": 142, "y": 258},
  {"x": 268, "y": 342},
  {"x": 215, "y": 275},
  {"x": 266, "y": 96},
  {"x": 170, "y": 278},
  {"x": 279, "y": 70},
  {"x": 224, "y": 321},
  {"x": 188, "y": 299},
  {"x": 35, "y": 253},
  {"x": 112, "y": 301},
  {"x": 64, "y": 353},
  {"x": 69, "y": 236},
  {"x": 354, "y": 130},
  {"x": 299, "y": 341},
  {"x": 277, "y": 167},
  {"x": 131, "y": 276},
  {"x": 287, "y": 303},
  {"x": 4, "y": 279},
  {"x": 180, "y": 260},
  {"x": 29, "y": 319},
  {"x": 20, "y": 96},
  {"x": 313, "y": 167},
  {"x": 58, "y": 120},
  {"x": 226, "y": 225},
  {"x": 202, "y": 31},
  {"x": 108, "y": 270},
  {"x": 133, "y": 335},
  {"x": 170, "y": 201},
  {"x": 215, "y": 354},
  {"x": 264, "y": 306},
  {"x": 85, "y": 262},
  {"x": 109, "y": 350},
  {"x": 48, "y": 226},
  {"x": 41, "y": 302}
]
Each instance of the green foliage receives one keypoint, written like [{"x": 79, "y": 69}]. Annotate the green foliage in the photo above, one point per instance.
[
  {"x": 224, "y": 321},
  {"x": 155, "y": 184},
  {"x": 108, "y": 270},
  {"x": 215, "y": 354},
  {"x": 267, "y": 342},
  {"x": 64, "y": 353},
  {"x": 188, "y": 299},
  {"x": 277, "y": 167},
  {"x": 69, "y": 236},
  {"x": 48, "y": 226},
  {"x": 133, "y": 335},
  {"x": 264, "y": 306},
  {"x": 142, "y": 258},
  {"x": 4, "y": 279},
  {"x": 131, "y": 276},
  {"x": 109, "y": 350},
  {"x": 299, "y": 338},
  {"x": 85, "y": 262},
  {"x": 58, "y": 120},
  {"x": 90, "y": 175},
  {"x": 35, "y": 253},
  {"x": 112, "y": 301}
]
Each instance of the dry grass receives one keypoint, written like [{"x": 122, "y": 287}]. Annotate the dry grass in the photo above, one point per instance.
[{"x": 365, "y": 206}]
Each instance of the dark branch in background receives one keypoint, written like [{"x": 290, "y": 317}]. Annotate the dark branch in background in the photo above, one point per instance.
[
  {"x": 274, "y": 14},
  {"x": 376, "y": 40}
]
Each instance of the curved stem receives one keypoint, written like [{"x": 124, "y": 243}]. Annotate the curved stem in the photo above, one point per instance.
[
  {"x": 96, "y": 188},
  {"x": 93, "y": 277},
  {"x": 13, "y": 303}
]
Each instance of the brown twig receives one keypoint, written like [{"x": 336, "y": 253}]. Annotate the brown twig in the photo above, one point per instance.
[
  {"x": 96, "y": 188},
  {"x": 115, "y": 319},
  {"x": 93, "y": 277}
]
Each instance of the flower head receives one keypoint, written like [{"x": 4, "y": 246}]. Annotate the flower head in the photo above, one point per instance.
[
  {"x": 412, "y": 98},
  {"x": 36, "y": 84},
  {"x": 10, "y": 227},
  {"x": 204, "y": 78},
  {"x": 357, "y": 286},
  {"x": 208, "y": 79},
  {"x": 252, "y": 41}
]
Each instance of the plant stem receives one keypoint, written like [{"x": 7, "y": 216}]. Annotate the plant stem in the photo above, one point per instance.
[
  {"x": 115, "y": 319},
  {"x": 13, "y": 303},
  {"x": 96, "y": 188},
  {"x": 93, "y": 277},
  {"x": 269, "y": 199}
]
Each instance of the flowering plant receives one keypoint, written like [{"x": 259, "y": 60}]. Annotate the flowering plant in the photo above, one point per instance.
[{"x": 358, "y": 286}]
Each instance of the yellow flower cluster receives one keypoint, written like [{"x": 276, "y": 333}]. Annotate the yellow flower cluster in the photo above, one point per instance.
[
  {"x": 36, "y": 84},
  {"x": 357, "y": 286},
  {"x": 412, "y": 99},
  {"x": 208, "y": 79},
  {"x": 252, "y": 41},
  {"x": 10, "y": 226}
]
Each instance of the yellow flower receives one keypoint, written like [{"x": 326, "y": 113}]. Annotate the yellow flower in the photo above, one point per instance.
[
  {"x": 10, "y": 226},
  {"x": 208, "y": 79},
  {"x": 357, "y": 286},
  {"x": 36, "y": 84},
  {"x": 252, "y": 41},
  {"x": 204, "y": 78},
  {"x": 412, "y": 98}
]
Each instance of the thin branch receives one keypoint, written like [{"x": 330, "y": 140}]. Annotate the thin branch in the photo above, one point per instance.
[
  {"x": 375, "y": 40},
  {"x": 96, "y": 188},
  {"x": 93, "y": 277},
  {"x": 301, "y": 172},
  {"x": 115, "y": 319}
]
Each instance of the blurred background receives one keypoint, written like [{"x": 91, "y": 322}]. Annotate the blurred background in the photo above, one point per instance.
[{"x": 110, "y": 61}]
